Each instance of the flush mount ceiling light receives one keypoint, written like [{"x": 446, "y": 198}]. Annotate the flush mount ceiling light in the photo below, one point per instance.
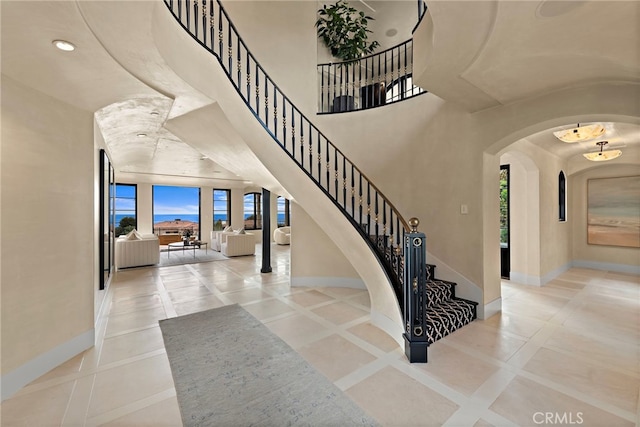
[
  {"x": 141, "y": 135},
  {"x": 64, "y": 45},
  {"x": 580, "y": 133},
  {"x": 601, "y": 156}
]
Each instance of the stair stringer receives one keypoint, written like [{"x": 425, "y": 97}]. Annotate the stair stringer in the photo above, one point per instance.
[{"x": 203, "y": 72}]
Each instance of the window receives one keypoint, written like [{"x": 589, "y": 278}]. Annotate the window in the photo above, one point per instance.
[
  {"x": 562, "y": 197},
  {"x": 252, "y": 211},
  {"x": 401, "y": 88},
  {"x": 221, "y": 209},
  {"x": 125, "y": 208},
  {"x": 176, "y": 213},
  {"x": 284, "y": 212}
]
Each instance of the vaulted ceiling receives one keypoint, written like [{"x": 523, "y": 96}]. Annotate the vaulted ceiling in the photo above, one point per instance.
[{"x": 484, "y": 53}]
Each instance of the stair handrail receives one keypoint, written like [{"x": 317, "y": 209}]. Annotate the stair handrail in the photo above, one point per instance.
[
  {"x": 385, "y": 236},
  {"x": 368, "y": 80}
]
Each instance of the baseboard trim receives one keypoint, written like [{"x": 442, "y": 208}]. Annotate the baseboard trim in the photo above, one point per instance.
[
  {"x": 40, "y": 365},
  {"x": 488, "y": 310},
  {"x": 327, "y": 282},
  {"x": 525, "y": 279},
  {"x": 607, "y": 266}
]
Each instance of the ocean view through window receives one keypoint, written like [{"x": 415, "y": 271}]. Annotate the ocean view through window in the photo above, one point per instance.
[{"x": 176, "y": 210}]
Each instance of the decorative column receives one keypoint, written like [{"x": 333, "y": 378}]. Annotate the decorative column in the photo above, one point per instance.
[
  {"x": 266, "y": 231},
  {"x": 415, "y": 294}
]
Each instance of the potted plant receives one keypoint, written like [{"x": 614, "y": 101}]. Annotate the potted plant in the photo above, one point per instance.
[
  {"x": 186, "y": 235},
  {"x": 343, "y": 29}
]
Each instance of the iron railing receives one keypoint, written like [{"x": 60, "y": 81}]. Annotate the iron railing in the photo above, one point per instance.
[
  {"x": 368, "y": 210},
  {"x": 378, "y": 79}
]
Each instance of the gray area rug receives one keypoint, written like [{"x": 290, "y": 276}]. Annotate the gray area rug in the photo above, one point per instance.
[{"x": 231, "y": 370}]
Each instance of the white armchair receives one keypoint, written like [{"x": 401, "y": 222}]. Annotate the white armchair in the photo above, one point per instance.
[
  {"x": 218, "y": 238},
  {"x": 238, "y": 244},
  {"x": 282, "y": 235}
]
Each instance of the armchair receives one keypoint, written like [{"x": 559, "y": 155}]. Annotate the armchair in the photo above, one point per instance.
[{"x": 282, "y": 235}]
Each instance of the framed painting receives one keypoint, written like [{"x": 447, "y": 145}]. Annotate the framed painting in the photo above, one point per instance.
[{"x": 613, "y": 211}]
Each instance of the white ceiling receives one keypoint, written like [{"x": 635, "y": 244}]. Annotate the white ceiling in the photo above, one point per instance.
[{"x": 512, "y": 60}]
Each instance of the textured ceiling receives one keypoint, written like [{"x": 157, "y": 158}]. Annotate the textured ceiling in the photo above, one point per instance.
[{"x": 504, "y": 51}]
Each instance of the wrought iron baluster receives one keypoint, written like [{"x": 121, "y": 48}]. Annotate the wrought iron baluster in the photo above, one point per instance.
[
  {"x": 284, "y": 122},
  {"x": 258, "y": 91},
  {"x": 266, "y": 101},
  {"x": 310, "y": 151}
]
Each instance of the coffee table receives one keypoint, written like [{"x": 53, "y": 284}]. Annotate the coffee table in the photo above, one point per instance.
[{"x": 193, "y": 245}]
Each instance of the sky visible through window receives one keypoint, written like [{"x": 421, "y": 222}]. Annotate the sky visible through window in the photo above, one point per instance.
[{"x": 170, "y": 203}]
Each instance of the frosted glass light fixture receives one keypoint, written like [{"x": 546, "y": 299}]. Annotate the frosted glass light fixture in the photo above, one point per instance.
[
  {"x": 64, "y": 45},
  {"x": 601, "y": 156},
  {"x": 580, "y": 133}
]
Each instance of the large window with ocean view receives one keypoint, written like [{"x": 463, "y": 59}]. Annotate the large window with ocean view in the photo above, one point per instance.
[
  {"x": 125, "y": 208},
  {"x": 176, "y": 213},
  {"x": 284, "y": 212},
  {"x": 252, "y": 211},
  {"x": 221, "y": 209}
]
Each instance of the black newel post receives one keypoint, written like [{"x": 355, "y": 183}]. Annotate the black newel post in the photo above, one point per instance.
[
  {"x": 266, "y": 231},
  {"x": 415, "y": 295}
]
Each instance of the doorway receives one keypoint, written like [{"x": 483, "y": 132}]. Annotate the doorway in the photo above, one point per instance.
[{"x": 505, "y": 250}]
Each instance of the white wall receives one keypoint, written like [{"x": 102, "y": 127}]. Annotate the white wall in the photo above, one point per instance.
[
  {"x": 315, "y": 259},
  {"x": 48, "y": 185}
]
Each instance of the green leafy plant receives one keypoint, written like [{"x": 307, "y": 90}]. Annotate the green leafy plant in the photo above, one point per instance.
[{"x": 343, "y": 29}]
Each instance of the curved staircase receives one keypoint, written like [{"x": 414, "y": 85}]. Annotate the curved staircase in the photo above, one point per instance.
[{"x": 369, "y": 212}]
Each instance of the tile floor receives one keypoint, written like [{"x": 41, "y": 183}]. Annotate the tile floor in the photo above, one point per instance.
[{"x": 566, "y": 353}]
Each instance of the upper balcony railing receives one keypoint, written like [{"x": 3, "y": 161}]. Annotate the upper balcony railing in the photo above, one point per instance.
[
  {"x": 368, "y": 210},
  {"x": 378, "y": 79}
]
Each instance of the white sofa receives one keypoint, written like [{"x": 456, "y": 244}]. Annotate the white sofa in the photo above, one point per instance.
[
  {"x": 282, "y": 235},
  {"x": 238, "y": 244},
  {"x": 143, "y": 250}
]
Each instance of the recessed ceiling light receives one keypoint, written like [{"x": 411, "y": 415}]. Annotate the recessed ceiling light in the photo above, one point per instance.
[
  {"x": 141, "y": 135},
  {"x": 155, "y": 113},
  {"x": 64, "y": 45}
]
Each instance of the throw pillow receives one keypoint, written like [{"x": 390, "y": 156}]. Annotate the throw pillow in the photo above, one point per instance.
[{"x": 133, "y": 235}]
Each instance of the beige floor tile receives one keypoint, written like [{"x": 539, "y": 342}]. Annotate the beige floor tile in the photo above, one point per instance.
[
  {"x": 309, "y": 298},
  {"x": 188, "y": 293},
  {"x": 188, "y": 280},
  {"x": 413, "y": 404},
  {"x": 342, "y": 292},
  {"x": 610, "y": 352},
  {"x": 139, "y": 319},
  {"x": 362, "y": 299},
  {"x": 481, "y": 338},
  {"x": 456, "y": 369},
  {"x": 482, "y": 423},
  {"x": 374, "y": 336},
  {"x": 121, "y": 292},
  {"x": 339, "y": 312},
  {"x": 71, "y": 366},
  {"x": 121, "y": 385},
  {"x": 267, "y": 309},
  {"x": 525, "y": 402},
  {"x": 136, "y": 303},
  {"x": 246, "y": 295},
  {"x": 335, "y": 357},
  {"x": 609, "y": 320},
  {"x": 514, "y": 324},
  {"x": 296, "y": 330},
  {"x": 233, "y": 284},
  {"x": 162, "y": 414},
  {"x": 197, "y": 305},
  {"x": 591, "y": 379},
  {"x": 40, "y": 408},
  {"x": 132, "y": 344}
]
